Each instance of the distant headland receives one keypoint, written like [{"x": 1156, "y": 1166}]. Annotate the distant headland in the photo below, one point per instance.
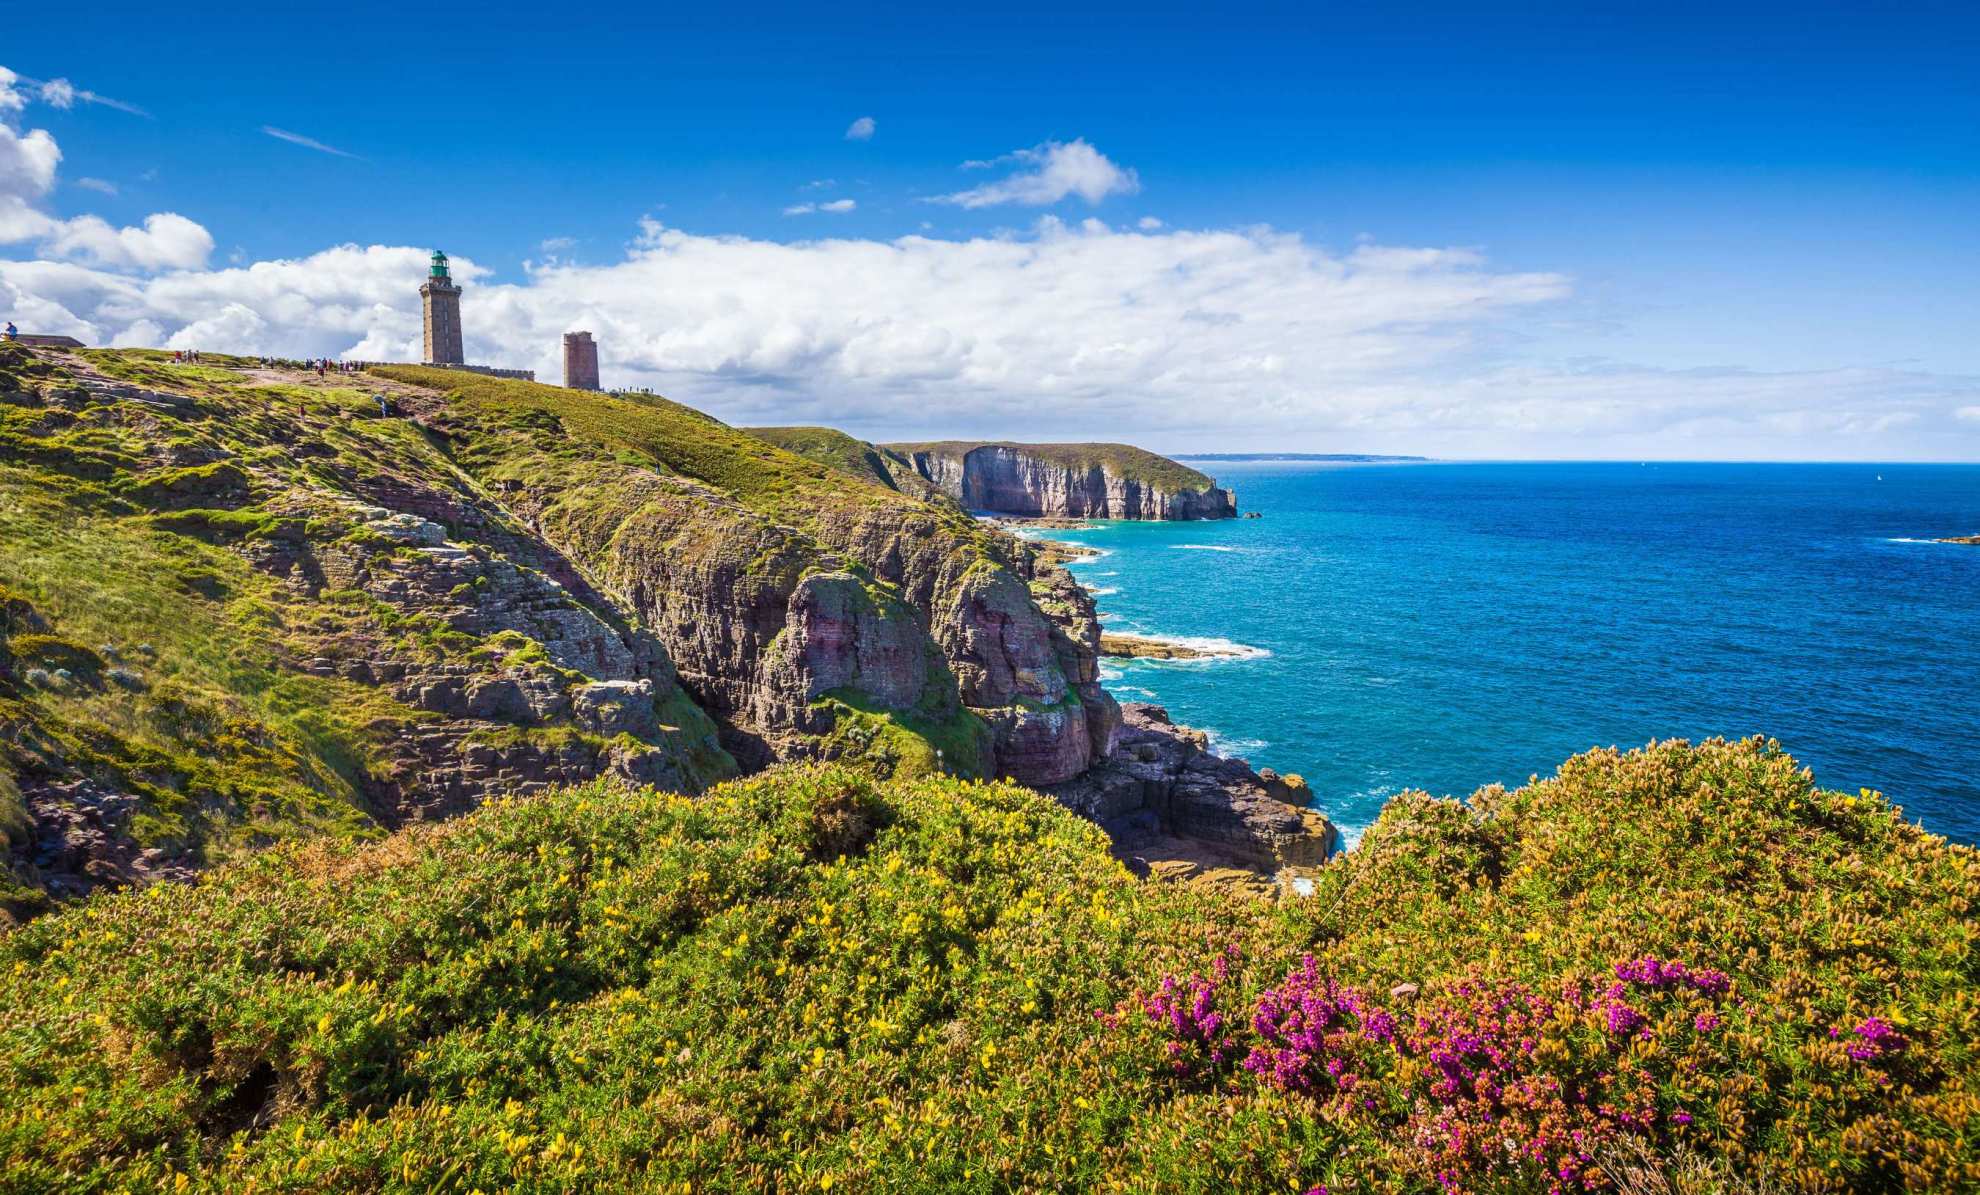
[{"x": 1350, "y": 458}]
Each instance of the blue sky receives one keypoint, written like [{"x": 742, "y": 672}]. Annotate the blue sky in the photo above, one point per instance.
[{"x": 1737, "y": 190}]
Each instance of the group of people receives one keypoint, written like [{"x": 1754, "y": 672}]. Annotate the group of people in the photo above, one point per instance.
[{"x": 185, "y": 356}]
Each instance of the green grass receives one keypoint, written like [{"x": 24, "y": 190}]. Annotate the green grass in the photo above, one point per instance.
[
  {"x": 855, "y": 457},
  {"x": 1118, "y": 460},
  {"x": 815, "y": 981},
  {"x": 208, "y": 719},
  {"x": 647, "y": 431}
]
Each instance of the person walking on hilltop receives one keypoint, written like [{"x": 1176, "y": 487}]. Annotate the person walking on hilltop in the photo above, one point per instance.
[{"x": 13, "y": 333}]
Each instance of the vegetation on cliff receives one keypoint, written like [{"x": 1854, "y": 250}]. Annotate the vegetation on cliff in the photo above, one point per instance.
[
  {"x": 850, "y": 455},
  {"x": 1683, "y": 968},
  {"x": 245, "y": 604}
]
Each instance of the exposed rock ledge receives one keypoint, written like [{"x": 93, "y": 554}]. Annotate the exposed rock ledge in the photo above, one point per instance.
[
  {"x": 1142, "y": 647},
  {"x": 1961, "y": 539},
  {"x": 1068, "y": 481},
  {"x": 1176, "y": 810}
]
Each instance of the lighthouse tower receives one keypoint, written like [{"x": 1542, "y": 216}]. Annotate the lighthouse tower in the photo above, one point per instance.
[{"x": 442, "y": 299}]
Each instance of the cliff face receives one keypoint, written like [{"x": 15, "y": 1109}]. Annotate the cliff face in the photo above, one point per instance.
[
  {"x": 243, "y": 605},
  {"x": 1108, "y": 481}
]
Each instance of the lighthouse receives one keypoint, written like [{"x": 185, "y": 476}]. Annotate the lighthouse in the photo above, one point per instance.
[{"x": 442, "y": 300}]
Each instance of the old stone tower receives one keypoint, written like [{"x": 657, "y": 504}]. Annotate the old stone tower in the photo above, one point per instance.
[
  {"x": 580, "y": 361},
  {"x": 443, "y": 315}
]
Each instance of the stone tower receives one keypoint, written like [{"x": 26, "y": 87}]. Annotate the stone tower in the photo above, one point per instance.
[
  {"x": 580, "y": 361},
  {"x": 443, "y": 315}
]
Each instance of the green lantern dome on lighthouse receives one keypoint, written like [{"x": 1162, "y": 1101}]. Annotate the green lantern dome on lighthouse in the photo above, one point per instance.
[{"x": 439, "y": 269}]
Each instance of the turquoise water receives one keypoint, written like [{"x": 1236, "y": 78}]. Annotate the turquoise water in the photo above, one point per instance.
[{"x": 1446, "y": 626}]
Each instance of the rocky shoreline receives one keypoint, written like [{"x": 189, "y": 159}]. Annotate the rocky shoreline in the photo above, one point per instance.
[
  {"x": 1173, "y": 808},
  {"x": 1961, "y": 539}
]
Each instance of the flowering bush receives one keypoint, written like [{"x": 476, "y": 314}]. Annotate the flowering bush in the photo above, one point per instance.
[
  {"x": 1198, "y": 1039},
  {"x": 1676, "y": 969}
]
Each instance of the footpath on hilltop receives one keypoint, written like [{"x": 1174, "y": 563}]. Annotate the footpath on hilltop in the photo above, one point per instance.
[{"x": 241, "y": 605}]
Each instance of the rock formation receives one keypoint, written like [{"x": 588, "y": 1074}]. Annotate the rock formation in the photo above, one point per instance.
[
  {"x": 1103, "y": 481},
  {"x": 1175, "y": 808},
  {"x": 340, "y": 621}
]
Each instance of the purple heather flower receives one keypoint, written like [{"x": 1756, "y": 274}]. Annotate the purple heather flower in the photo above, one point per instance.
[{"x": 1877, "y": 1038}]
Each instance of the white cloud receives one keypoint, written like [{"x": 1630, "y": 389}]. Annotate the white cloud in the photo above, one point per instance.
[
  {"x": 860, "y": 130},
  {"x": 835, "y": 206},
  {"x": 1244, "y": 339},
  {"x": 1148, "y": 224},
  {"x": 305, "y": 142},
  {"x": 28, "y": 163},
  {"x": 101, "y": 186},
  {"x": 557, "y": 244},
  {"x": 56, "y": 93},
  {"x": 820, "y": 184},
  {"x": 166, "y": 241},
  {"x": 1047, "y": 174}
]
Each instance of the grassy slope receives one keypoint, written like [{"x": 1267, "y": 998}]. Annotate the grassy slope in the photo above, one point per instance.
[
  {"x": 807, "y": 982},
  {"x": 222, "y": 745},
  {"x": 656, "y": 433},
  {"x": 1120, "y": 460},
  {"x": 869, "y": 462},
  {"x": 226, "y": 745}
]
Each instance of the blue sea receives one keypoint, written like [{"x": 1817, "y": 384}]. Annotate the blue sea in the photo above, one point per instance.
[{"x": 1446, "y": 626}]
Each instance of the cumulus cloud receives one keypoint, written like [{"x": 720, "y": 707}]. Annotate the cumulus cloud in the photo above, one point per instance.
[
  {"x": 305, "y": 142},
  {"x": 167, "y": 240},
  {"x": 861, "y": 129},
  {"x": 99, "y": 185},
  {"x": 1046, "y": 174},
  {"x": 1175, "y": 338},
  {"x": 835, "y": 206},
  {"x": 28, "y": 164}
]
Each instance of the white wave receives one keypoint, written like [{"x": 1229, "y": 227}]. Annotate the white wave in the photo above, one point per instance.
[
  {"x": 1103, "y": 590},
  {"x": 1108, "y": 573},
  {"x": 1108, "y": 675},
  {"x": 1223, "y": 745},
  {"x": 1202, "y": 548}
]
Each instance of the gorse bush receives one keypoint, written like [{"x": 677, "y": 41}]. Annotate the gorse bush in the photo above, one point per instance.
[{"x": 1677, "y": 969}]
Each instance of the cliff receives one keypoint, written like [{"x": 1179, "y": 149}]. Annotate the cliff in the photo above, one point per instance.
[
  {"x": 244, "y": 605},
  {"x": 1681, "y": 969},
  {"x": 1102, "y": 481}
]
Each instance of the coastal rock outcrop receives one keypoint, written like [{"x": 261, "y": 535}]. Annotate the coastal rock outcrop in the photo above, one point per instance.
[
  {"x": 314, "y": 616},
  {"x": 1101, "y": 481},
  {"x": 1174, "y": 807}
]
